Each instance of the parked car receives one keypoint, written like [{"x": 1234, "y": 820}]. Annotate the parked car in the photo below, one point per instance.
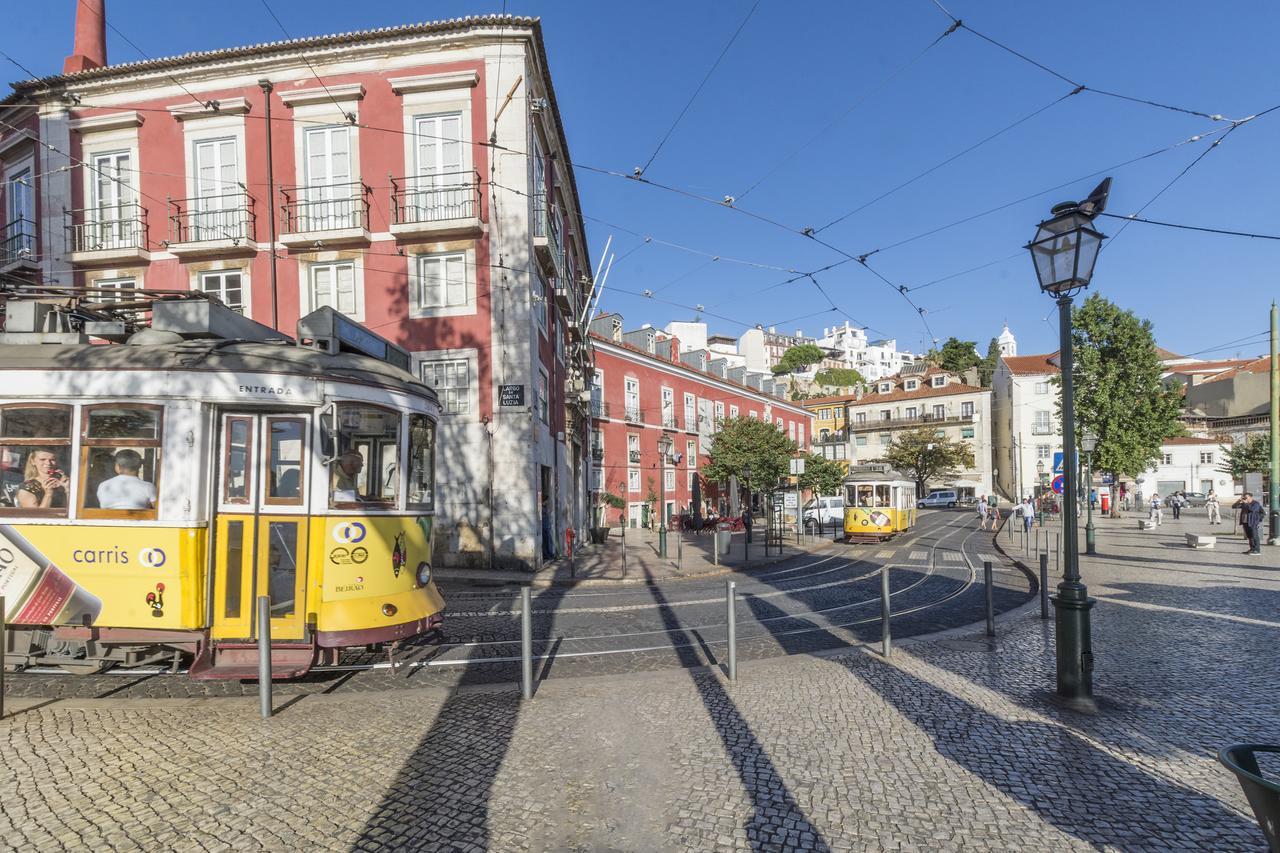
[
  {"x": 945, "y": 498},
  {"x": 1193, "y": 499},
  {"x": 827, "y": 511}
]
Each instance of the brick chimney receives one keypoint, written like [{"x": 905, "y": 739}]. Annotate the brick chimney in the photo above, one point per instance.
[{"x": 90, "y": 49}]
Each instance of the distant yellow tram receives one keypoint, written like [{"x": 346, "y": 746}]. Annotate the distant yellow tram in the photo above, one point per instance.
[{"x": 879, "y": 503}]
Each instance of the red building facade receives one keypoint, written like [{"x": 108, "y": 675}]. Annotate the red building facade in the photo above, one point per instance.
[
  {"x": 638, "y": 397},
  {"x": 355, "y": 171}
]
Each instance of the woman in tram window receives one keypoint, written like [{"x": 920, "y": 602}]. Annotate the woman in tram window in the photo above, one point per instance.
[{"x": 44, "y": 485}]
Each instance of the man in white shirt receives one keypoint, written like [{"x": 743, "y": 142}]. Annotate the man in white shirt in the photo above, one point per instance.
[{"x": 127, "y": 489}]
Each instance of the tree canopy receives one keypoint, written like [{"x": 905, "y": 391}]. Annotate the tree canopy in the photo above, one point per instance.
[
  {"x": 839, "y": 376},
  {"x": 799, "y": 357},
  {"x": 924, "y": 455},
  {"x": 1250, "y": 456},
  {"x": 1119, "y": 395},
  {"x": 822, "y": 476},
  {"x": 987, "y": 367},
  {"x": 956, "y": 355},
  {"x": 747, "y": 442}
]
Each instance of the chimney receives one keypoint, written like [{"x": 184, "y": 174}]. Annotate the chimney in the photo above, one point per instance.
[{"x": 90, "y": 49}]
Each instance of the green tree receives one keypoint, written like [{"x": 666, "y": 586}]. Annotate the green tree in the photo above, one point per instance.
[
  {"x": 746, "y": 442},
  {"x": 1253, "y": 455},
  {"x": 987, "y": 367},
  {"x": 1119, "y": 396},
  {"x": 924, "y": 455},
  {"x": 839, "y": 376},
  {"x": 797, "y": 358},
  {"x": 822, "y": 476},
  {"x": 956, "y": 355}
]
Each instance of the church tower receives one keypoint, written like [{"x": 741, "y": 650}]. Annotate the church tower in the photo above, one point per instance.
[{"x": 1007, "y": 343}]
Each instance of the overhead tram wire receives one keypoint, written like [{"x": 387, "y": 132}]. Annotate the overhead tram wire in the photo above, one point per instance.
[
  {"x": 1224, "y": 231},
  {"x": 897, "y": 72},
  {"x": 947, "y": 161},
  {"x": 24, "y": 69},
  {"x": 641, "y": 170},
  {"x": 348, "y": 117}
]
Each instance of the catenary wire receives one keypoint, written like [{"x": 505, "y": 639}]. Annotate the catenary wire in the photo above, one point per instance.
[
  {"x": 1225, "y": 231},
  {"x": 141, "y": 52},
  {"x": 347, "y": 116}
]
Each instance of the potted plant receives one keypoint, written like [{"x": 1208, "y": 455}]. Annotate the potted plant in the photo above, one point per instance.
[{"x": 601, "y": 531}]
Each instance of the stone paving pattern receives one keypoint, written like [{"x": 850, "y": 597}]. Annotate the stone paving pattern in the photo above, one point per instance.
[{"x": 952, "y": 744}]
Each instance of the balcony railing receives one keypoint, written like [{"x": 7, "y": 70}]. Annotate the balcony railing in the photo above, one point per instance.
[
  {"x": 838, "y": 436},
  {"x": 597, "y": 452},
  {"x": 669, "y": 420},
  {"x": 421, "y": 199},
  {"x": 220, "y": 218},
  {"x": 599, "y": 408},
  {"x": 633, "y": 414},
  {"x": 633, "y": 455},
  {"x": 548, "y": 236},
  {"x": 18, "y": 242},
  {"x": 919, "y": 420},
  {"x": 325, "y": 207},
  {"x": 109, "y": 232},
  {"x": 1042, "y": 429}
]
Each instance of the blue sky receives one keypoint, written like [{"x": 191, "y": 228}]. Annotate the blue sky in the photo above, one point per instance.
[{"x": 801, "y": 98}]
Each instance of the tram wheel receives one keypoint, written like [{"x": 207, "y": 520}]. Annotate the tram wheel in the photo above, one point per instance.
[{"x": 90, "y": 667}]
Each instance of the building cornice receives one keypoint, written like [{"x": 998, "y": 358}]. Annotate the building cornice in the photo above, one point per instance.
[
  {"x": 110, "y": 121},
  {"x": 322, "y": 94},
  {"x": 193, "y": 111},
  {"x": 434, "y": 82}
]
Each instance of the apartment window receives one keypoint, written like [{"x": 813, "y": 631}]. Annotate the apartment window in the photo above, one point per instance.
[
  {"x": 442, "y": 281},
  {"x": 217, "y": 209},
  {"x": 227, "y": 285},
  {"x": 939, "y": 411},
  {"x": 860, "y": 418},
  {"x": 633, "y": 399},
  {"x": 912, "y": 385},
  {"x": 329, "y": 200},
  {"x": 693, "y": 475},
  {"x": 719, "y": 413},
  {"x": 755, "y": 416},
  {"x": 1043, "y": 422},
  {"x": 112, "y": 193},
  {"x": 669, "y": 479},
  {"x": 800, "y": 435},
  {"x": 824, "y": 414},
  {"x": 1044, "y": 451},
  {"x": 633, "y": 480},
  {"x": 441, "y": 190},
  {"x": 791, "y": 430},
  {"x": 690, "y": 418},
  {"x": 543, "y": 407},
  {"x": 939, "y": 381},
  {"x": 334, "y": 285},
  {"x": 1042, "y": 387},
  {"x": 1168, "y": 458},
  {"x": 733, "y": 412},
  {"x": 886, "y": 414},
  {"x": 886, "y": 387},
  {"x": 597, "y": 479},
  {"x": 886, "y": 438},
  {"x": 911, "y": 412},
  {"x": 1206, "y": 457},
  {"x": 114, "y": 289},
  {"x": 966, "y": 432},
  {"x": 20, "y": 215},
  {"x": 966, "y": 410},
  {"x": 860, "y": 441},
  {"x": 691, "y": 454},
  {"x": 451, "y": 380},
  {"x": 668, "y": 408},
  {"x": 539, "y": 301}
]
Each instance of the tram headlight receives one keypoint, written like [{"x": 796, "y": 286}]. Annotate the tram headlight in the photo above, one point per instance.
[
  {"x": 388, "y": 609},
  {"x": 423, "y": 575}
]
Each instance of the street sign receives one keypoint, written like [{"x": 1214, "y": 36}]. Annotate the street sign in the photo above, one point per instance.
[
  {"x": 1057, "y": 462},
  {"x": 792, "y": 500},
  {"x": 510, "y": 396},
  {"x": 1059, "y": 483},
  {"x": 797, "y": 466}
]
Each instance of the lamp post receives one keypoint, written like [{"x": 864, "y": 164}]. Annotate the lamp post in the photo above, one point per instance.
[
  {"x": 1064, "y": 251},
  {"x": 1088, "y": 443},
  {"x": 1040, "y": 489},
  {"x": 664, "y": 450}
]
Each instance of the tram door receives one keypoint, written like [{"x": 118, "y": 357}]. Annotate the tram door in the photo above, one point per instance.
[{"x": 260, "y": 535}]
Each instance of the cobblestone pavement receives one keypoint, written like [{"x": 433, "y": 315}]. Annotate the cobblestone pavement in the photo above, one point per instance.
[
  {"x": 823, "y": 599},
  {"x": 951, "y": 744}
]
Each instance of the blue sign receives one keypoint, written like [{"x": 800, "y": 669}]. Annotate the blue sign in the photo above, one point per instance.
[
  {"x": 1059, "y": 483},
  {"x": 1057, "y": 462}
]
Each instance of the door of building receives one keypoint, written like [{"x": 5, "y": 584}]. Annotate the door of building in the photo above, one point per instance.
[{"x": 260, "y": 524}]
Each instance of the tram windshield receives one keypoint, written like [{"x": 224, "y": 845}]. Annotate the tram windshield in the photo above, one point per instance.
[
  {"x": 869, "y": 495},
  {"x": 366, "y": 468},
  {"x": 422, "y": 462}
]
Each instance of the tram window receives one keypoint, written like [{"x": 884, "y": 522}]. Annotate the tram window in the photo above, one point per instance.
[
  {"x": 237, "y": 474},
  {"x": 866, "y": 494},
  {"x": 35, "y": 455},
  {"x": 363, "y": 472},
  {"x": 284, "y": 460},
  {"x": 282, "y": 566},
  {"x": 882, "y": 496},
  {"x": 120, "y": 460},
  {"x": 422, "y": 461}
]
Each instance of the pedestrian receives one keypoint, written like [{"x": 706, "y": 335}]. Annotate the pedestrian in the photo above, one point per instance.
[
  {"x": 1157, "y": 510},
  {"x": 1251, "y": 520},
  {"x": 1175, "y": 501},
  {"x": 1213, "y": 508},
  {"x": 983, "y": 510},
  {"x": 1028, "y": 514},
  {"x": 747, "y": 522}
]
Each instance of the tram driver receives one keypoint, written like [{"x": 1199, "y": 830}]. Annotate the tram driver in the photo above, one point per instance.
[
  {"x": 346, "y": 477},
  {"x": 127, "y": 489}
]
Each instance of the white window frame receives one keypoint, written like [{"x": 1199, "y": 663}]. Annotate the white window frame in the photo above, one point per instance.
[
  {"x": 755, "y": 416},
  {"x": 1042, "y": 387},
  {"x": 463, "y": 303},
  {"x": 911, "y": 412},
  {"x": 544, "y": 391},
  {"x": 911, "y": 385},
  {"x": 538, "y": 300},
  {"x": 119, "y": 283},
  {"x": 690, "y": 412},
  {"x": 471, "y": 395},
  {"x": 939, "y": 381},
  {"x": 203, "y": 275},
  {"x": 631, "y": 400},
  {"x": 966, "y": 409},
  {"x": 719, "y": 414},
  {"x": 669, "y": 480},
  {"x": 733, "y": 412},
  {"x": 1042, "y": 419},
  {"x": 1206, "y": 457},
  {"x": 691, "y": 454},
  {"x": 1167, "y": 458},
  {"x": 309, "y": 300},
  {"x": 633, "y": 480},
  {"x": 939, "y": 411},
  {"x": 668, "y": 407},
  {"x": 800, "y": 435},
  {"x": 1044, "y": 451}
]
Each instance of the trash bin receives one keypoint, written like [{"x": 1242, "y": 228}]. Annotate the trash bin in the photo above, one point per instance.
[
  {"x": 1263, "y": 794},
  {"x": 724, "y": 534}
]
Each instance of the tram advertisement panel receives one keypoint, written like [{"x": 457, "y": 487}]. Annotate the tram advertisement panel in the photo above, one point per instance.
[
  {"x": 374, "y": 555},
  {"x": 132, "y": 577}
]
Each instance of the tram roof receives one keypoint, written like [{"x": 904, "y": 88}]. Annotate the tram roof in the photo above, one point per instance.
[
  {"x": 874, "y": 473},
  {"x": 219, "y": 356}
]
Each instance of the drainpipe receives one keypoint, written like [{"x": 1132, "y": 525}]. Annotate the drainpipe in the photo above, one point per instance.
[{"x": 271, "y": 202}]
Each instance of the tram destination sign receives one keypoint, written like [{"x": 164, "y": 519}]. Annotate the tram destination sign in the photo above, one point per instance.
[{"x": 511, "y": 396}]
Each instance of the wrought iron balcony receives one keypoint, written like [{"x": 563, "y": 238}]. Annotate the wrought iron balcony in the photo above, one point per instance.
[
  {"x": 1043, "y": 429},
  {"x": 325, "y": 214},
  {"x": 920, "y": 420},
  {"x": 548, "y": 238},
  {"x": 108, "y": 235},
  {"x": 18, "y": 244},
  {"x": 597, "y": 452},
  {"x": 599, "y": 408},
  {"x": 210, "y": 226},
  {"x": 837, "y": 436},
  {"x": 633, "y": 415},
  {"x": 633, "y": 455},
  {"x": 669, "y": 420},
  {"x": 446, "y": 203}
]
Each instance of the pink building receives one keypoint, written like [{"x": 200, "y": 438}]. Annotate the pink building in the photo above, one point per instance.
[{"x": 408, "y": 177}]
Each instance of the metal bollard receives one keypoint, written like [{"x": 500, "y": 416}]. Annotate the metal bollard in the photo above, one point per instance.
[
  {"x": 715, "y": 547},
  {"x": 264, "y": 654},
  {"x": 4, "y": 646},
  {"x": 1044, "y": 586},
  {"x": 885, "y": 642},
  {"x": 680, "y": 549},
  {"x": 526, "y": 644},
  {"x": 624, "y": 550},
  {"x": 731, "y": 616},
  {"x": 991, "y": 613}
]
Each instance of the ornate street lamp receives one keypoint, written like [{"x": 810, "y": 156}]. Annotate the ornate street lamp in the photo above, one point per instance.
[
  {"x": 664, "y": 451},
  {"x": 1089, "y": 443},
  {"x": 1064, "y": 251}
]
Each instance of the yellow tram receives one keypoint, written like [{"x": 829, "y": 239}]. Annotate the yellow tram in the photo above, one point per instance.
[
  {"x": 878, "y": 503},
  {"x": 152, "y": 488}
]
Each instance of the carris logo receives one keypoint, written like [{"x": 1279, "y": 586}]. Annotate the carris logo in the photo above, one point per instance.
[
  {"x": 349, "y": 533},
  {"x": 152, "y": 557}
]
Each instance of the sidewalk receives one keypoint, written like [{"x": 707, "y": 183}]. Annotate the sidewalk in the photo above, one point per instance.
[{"x": 689, "y": 555}]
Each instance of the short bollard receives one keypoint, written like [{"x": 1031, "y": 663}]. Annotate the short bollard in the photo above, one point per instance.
[
  {"x": 624, "y": 550},
  {"x": 680, "y": 550},
  {"x": 526, "y": 644},
  {"x": 715, "y": 548},
  {"x": 264, "y": 654},
  {"x": 1044, "y": 586},
  {"x": 884, "y": 612},
  {"x": 731, "y": 619},
  {"x": 991, "y": 613},
  {"x": 4, "y": 645}
]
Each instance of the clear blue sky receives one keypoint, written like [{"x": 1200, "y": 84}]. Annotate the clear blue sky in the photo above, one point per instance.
[{"x": 623, "y": 71}]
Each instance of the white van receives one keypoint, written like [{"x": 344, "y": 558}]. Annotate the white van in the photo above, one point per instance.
[
  {"x": 824, "y": 511},
  {"x": 939, "y": 497}
]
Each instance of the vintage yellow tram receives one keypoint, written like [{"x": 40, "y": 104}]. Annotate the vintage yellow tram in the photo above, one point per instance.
[
  {"x": 151, "y": 488},
  {"x": 879, "y": 503}
]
